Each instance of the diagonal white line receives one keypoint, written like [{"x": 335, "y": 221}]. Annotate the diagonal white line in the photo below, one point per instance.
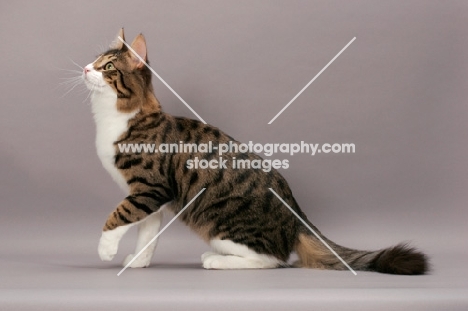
[
  {"x": 316, "y": 76},
  {"x": 162, "y": 230},
  {"x": 313, "y": 231},
  {"x": 162, "y": 80}
]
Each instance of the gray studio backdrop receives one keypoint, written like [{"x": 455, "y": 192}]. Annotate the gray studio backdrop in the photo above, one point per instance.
[{"x": 398, "y": 93}]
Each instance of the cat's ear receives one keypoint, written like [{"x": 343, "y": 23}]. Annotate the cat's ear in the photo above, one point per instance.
[
  {"x": 139, "y": 46},
  {"x": 118, "y": 44}
]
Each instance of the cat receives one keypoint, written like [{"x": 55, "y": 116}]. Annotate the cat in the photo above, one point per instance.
[{"x": 246, "y": 225}]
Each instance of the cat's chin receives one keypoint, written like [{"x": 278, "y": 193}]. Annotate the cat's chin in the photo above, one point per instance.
[
  {"x": 96, "y": 84},
  {"x": 97, "y": 87},
  {"x": 102, "y": 93}
]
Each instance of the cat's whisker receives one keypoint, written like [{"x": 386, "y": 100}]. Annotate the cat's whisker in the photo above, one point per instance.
[
  {"x": 71, "y": 89},
  {"x": 82, "y": 68},
  {"x": 81, "y": 92},
  {"x": 76, "y": 75},
  {"x": 71, "y": 71},
  {"x": 93, "y": 88},
  {"x": 102, "y": 47},
  {"x": 74, "y": 72},
  {"x": 82, "y": 88},
  {"x": 67, "y": 70},
  {"x": 70, "y": 79},
  {"x": 66, "y": 84},
  {"x": 86, "y": 99},
  {"x": 73, "y": 82}
]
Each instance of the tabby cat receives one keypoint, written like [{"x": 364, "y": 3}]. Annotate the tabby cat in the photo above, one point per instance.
[{"x": 246, "y": 225}]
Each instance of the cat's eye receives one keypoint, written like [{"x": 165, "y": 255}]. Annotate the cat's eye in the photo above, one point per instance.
[{"x": 109, "y": 66}]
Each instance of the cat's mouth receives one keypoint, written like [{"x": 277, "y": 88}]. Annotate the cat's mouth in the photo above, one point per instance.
[{"x": 93, "y": 79}]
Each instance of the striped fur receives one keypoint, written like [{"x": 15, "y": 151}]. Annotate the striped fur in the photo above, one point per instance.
[{"x": 237, "y": 213}]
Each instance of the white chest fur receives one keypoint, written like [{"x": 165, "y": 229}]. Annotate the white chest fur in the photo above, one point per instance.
[{"x": 110, "y": 124}]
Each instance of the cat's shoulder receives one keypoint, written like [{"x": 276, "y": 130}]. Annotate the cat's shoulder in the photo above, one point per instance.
[{"x": 184, "y": 124}]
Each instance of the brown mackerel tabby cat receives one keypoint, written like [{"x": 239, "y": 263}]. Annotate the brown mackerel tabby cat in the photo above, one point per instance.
[{"x": 245, "y": 224}]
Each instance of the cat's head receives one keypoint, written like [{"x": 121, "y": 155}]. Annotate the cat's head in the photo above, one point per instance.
[{"x": 121, "y": 72}]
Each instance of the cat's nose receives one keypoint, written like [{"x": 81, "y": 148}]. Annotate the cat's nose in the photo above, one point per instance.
[{"x": 86, "y": 70}]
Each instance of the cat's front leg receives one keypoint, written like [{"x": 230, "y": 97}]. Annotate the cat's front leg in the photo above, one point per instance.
[
  {"x": 132, "y": 210},
  {"x": 109, "y": 242},
  {"x": 147, "y": 231}
]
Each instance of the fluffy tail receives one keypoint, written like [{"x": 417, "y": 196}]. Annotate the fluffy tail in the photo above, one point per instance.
[{"x": 400, "y": 259}]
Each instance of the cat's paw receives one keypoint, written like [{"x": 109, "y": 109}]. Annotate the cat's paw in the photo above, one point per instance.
[
  {"x": 206, "y": 255},
  {"x": 106, "y": 251},
  {"x": 107, "y": 247},
  {"x": 214, "y": 261},
  {"x": 139, "y": 262}
]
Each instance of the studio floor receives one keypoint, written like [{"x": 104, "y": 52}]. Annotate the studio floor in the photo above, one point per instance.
[{"x": 64, "y": 273}]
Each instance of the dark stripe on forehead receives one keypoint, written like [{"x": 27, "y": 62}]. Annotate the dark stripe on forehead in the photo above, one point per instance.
[{"x": 111, "y": 52}]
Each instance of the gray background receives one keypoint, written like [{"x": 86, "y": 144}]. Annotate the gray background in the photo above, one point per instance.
[{"x": 398, "y": 92}]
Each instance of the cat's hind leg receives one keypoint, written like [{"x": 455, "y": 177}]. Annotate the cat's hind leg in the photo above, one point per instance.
[
  {"x": 231, "y": 255},
  {"x": 147, "y": 230}
]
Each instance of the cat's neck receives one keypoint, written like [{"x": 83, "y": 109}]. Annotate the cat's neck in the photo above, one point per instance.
[
  {"x": 107, "y": 104},
  {"x": 151, "y": 103},
  {"x": 147, "y": 103},
  {"x": 110, "y": 125},
  {"x": 103, "y": 103}
]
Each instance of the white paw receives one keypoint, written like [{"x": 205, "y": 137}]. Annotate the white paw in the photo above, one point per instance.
[
  {"x": 109, "y": 244},
  {"x": 215, "y": 261},
  {"x": 140, "y": 262},
  {"x": 207, "y": 254},
  {"x": 107, "y": 250}
]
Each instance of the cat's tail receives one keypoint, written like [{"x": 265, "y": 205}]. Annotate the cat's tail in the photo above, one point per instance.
[{"x": 400, "y": 259}]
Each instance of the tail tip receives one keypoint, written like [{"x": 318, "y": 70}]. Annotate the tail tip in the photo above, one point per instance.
[{"x": 400, "y": 259}]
